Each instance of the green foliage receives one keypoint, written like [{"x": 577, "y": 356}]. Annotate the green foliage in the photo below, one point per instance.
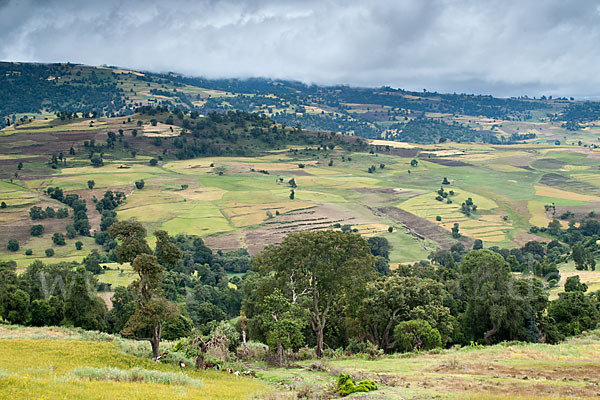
[
  {"x": 58, "y": 239},
  {"x": 346, "y": 386},
  {"x": 49, "y": 252},
  {"x": 12, "y": 245},
  {"x": 36, "y": 230},
  {"x": 416, "y": 335}
]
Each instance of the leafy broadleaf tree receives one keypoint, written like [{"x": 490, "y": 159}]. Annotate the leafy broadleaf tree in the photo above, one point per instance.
[
  {"x": 318, "y": 271},
  {"x": 283, "y": 322}
]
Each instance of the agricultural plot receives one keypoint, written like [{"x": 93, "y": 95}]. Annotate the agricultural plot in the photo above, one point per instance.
[{"x": 245, "y": 201}]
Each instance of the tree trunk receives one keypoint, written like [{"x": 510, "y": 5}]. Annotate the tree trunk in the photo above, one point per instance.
[
  {"x": 280, "y": 353},
  {"x": 489, "y": 334},
  {"x": 320, "y": 339},
  {"x": 200, "y": 361},
  {"x": 155, "y": 341}
]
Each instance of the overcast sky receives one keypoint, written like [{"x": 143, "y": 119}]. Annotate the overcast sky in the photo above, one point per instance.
[{"x": 505, "y": 48}]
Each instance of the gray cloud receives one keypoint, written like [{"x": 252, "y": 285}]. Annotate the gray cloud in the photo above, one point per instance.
[{"x": 505, "y": 48}]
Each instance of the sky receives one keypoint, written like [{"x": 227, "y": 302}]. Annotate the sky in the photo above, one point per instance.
[{"x": 504, "y": 48}]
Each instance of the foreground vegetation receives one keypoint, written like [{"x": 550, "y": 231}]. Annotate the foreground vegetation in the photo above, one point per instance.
[{"x": 51, "y": 362}]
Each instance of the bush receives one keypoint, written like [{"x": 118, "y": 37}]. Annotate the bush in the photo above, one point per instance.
[
  {"x": 252, "y": 351},
  {"x": 153, "y": 162},
  {"x": 28, "y": 252},
  {"x": 139, "y": 184},
  {"x": 346, "y": 386},
  {"x": 390, "y": 229},
  {"x": 438, "y": 218},
  {"x": 49, "y": 252},
  {"x": 3, "y": 205},
  {"x": 12, "y": 245},
  {"x": 36, "y": 230},
  {"x": 78, "y": 245},
  {"x": 416, "y": 335},
  {"x": 58, "y": 239}
]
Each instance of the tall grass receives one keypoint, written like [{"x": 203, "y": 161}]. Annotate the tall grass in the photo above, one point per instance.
[{"x": 135, "y": 374}]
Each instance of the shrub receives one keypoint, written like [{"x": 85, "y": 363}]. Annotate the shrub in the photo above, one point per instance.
[
  {"x": 139, "y": 184},
  {"x": 390, "y": 229},
  {"x": 153, "y": 162},
  {"x": 416, "y": 335},
  {"x": 49, "y": 252},
  {"x": 3, "y": 204},
  {"x": 28, "y": 252},
  {"x": 36, "y": 230},
  {"x": 12, "y": 245},
  {"x": 438, "y": 218},
  {"x": 78, "y": 245},
  {"x": 58, "y": 239},
  {"x": 252, "y": 351},
  {"x": 346, "y": 386}
]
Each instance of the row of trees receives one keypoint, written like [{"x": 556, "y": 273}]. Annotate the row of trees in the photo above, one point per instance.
[{"x": 325, "y": 289}]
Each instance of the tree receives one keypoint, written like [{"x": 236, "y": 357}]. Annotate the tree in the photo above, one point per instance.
[
  {"x": 133, "y": 240},
  {"x": 573, "y": 284},
  {"x": 283, "y": 323},
  {"x": 153, "y": 162},
  {"x": 292, "y": 194},
  {"x": 317, "y": 269},
  {"x": 97, "y": 161},
  {"x": 91, "y": 184},
  {"x": 456, "y": 231},
  {"x": 3, "y": 204},
  {"x": 151, "y": 308},
  {"x": 12, "y": 245},
  {"x": 416, "y": 335},
  {"x": 58, "y": 239},
  {"x": 414, "y": 163},
  {"x": 83, "y": 308},
  {"x": 36, "y": 230},
  {"x": 49, "y": 252},
  {"x": 139, "y": 184},
  {"x": 491, "y": 305},
  {"x": 71, "y": 232},
  {"x": 397, "y": 298},
  {"x": 477, "y": 244},
  {"x": 445, "y": 181},
  {"x": 380, "y": 246},
  {"x": 78, "y": 245}
]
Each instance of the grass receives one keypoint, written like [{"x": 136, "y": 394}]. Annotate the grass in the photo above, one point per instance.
[{"x": 79, "y": 369}]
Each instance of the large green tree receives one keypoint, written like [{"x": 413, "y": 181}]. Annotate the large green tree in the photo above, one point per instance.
[
  {"x": 397, "y": 298},
  {"x": 318, "y": 270},
  {"x": 152, "y": 309},
  {"x": 491, "y": 302}
]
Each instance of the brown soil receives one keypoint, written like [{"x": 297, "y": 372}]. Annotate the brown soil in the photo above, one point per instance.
[{"x": 424, "y": 229}]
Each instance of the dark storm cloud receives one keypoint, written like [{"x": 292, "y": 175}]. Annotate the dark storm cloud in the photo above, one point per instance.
[{"x": 506, "y": 48}]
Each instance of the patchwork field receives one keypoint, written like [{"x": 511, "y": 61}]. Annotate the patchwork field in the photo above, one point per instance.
[{"x": 245, "y": 201}]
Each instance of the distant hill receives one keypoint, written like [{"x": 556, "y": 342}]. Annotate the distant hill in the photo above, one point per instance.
[{"x": 31, "y": 89}]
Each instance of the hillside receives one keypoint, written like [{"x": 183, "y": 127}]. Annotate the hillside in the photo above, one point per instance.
[{"x": 368, "y": 112}]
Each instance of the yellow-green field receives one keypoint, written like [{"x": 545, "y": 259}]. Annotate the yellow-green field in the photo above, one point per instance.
[{"x": 43, "y": 369}]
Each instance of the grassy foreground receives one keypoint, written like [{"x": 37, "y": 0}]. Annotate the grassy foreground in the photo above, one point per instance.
[
  {"x": 50, "y": 363},
  {"x": 44, "y": 364}
]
